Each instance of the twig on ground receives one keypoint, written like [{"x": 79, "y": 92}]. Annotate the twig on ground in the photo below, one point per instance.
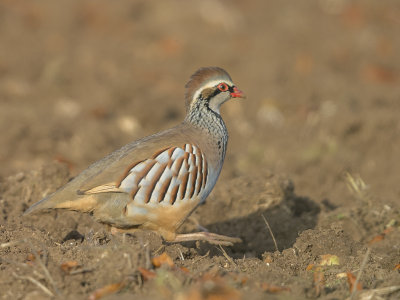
[
  {"x": 357, "y": 186},
  {"x": 86, "y": 270},
  {"x": 201, "y": 257},
  {"x": 12, "y": 243},
  {"x": 227, "y": 256},
  {"x": 38, "y": 259},
  {"x": 375, "y": 293},
  {"x": 161, "y": 248},
  {"x": 128, "y": 259},
  {"x": 35, "y": 282},
  {"x": 44, "y": 268},
  {"x": 270, "y": 231},
  {"x": 12, "y": 262},
  {"x": 363, "y": 263},
  {"x": 181, "y": 255}
]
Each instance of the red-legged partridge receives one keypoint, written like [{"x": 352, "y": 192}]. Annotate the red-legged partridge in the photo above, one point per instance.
[{"x": 155, "y": 183}]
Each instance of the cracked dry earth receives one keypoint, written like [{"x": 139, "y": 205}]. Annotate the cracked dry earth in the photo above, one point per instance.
[{"x": 312, "y": 158}]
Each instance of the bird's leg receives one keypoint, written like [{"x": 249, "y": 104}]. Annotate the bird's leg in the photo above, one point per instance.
[
  {"x": 210, "y": 237},
  {"x": 171, "y": 237}
]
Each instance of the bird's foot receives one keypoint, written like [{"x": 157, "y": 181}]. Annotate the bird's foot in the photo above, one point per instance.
[{"x": 209, "y": 237}]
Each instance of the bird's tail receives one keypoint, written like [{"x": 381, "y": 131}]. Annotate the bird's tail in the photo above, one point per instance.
[
  {"x": 40, "y": 205},
  {"x": 63, "y": 200}
]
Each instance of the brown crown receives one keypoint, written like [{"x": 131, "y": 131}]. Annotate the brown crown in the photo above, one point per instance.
[{"x": 200, "y": 77}]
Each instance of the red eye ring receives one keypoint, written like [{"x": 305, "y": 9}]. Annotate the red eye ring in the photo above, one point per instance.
[{"x": 223, "y": 87}]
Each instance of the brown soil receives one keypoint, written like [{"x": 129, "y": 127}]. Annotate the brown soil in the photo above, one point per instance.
[{"x": 79, "y": 79}]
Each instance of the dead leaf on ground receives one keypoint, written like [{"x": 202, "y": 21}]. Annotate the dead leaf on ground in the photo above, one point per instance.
[
  {"x": 30, "y": 258},
  {"x": 318, "y": 280},
  {"x": 147, "y": 274},
  {"x": 269, "y": 288},
  {"x": 69, "y": 265},
  {"x": 310, "y": 267},
  {"x": 268, "y": 259},
  {"x": 376, "y": 239},
  {"x": 397, "y": 267},
  {"x": 184, "y": 270},
  {"x": 388, "y": 230},
  {"x": 341, "y": 275},
  {"x": 163, "y": 259},
  {"x": 329, "y": 260},
  {"x": 351, "y": 279},
  {"x": 106, "y": 290},
  {"x": 381, "y": 236}
]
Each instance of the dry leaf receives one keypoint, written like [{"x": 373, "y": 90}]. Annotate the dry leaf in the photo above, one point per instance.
[
  {"x": 184, "y": 270},
  {"x": 341, "y": 275},
  {"x": 351, "y": 279},
  {"x": 273, "y": 288},
  {"x": 211, "y": 275},
  {"x": 381, "y": 236},
  {"x": 68, "y": 266},
  {"x": 319, "y": 280},
  {"x": 329, "y": 260},
  {"x": 30, "y": 257},
  {"x": 376, "y": 239},
  {"x": 106, "y": 290},
  {"x": 397, "y": 267},
  {"x": 268, "y": 259},
  {"x": 163, "y": 259},
  {"x": 310, "y": 267},
  {"x": 147, "y": 274},
  {"x": 388, "y": 230}
]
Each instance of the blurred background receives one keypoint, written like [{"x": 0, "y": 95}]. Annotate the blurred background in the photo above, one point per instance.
[{"x": 79, "y": 79}]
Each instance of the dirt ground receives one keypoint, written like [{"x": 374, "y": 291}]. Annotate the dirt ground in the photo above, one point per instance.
[{"x": 313, "y": 150}]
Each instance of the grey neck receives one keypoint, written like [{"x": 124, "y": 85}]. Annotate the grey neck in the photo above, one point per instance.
[{"x": 204, "y": 118}]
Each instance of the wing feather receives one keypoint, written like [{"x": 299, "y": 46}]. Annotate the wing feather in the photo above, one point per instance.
[{"x": 169, "y": 177}]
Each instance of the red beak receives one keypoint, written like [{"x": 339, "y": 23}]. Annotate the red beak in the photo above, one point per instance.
[{"x": 237, "y": 93}]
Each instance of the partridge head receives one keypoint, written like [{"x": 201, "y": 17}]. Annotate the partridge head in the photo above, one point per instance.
[{"x": 156, "y": 182}]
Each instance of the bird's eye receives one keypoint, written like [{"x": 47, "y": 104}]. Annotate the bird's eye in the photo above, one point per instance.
[{"x": 223, "y": 87}]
